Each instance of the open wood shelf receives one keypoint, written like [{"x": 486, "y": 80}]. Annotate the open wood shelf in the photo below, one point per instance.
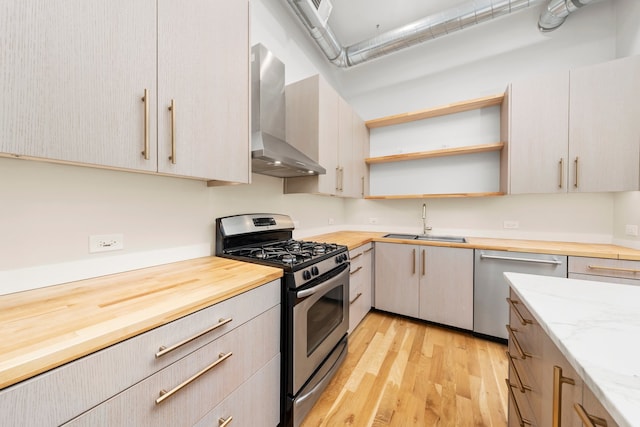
[
  {"x": 434, "y": 196},
  {"x": 443, "y": 110},
  {"x": 455, "y": 151}
]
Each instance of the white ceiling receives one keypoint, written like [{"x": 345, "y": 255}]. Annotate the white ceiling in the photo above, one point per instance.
[{"x": 355, "y": 20}]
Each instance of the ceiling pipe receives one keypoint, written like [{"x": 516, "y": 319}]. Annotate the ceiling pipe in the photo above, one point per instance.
[
  {"x": 428, "y": 28},
  {"x": 431, "y": 27},
  {"x": 557, "y": 11}
]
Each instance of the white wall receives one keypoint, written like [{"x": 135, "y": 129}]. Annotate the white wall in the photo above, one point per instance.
[{"x": 626, "y": 212}]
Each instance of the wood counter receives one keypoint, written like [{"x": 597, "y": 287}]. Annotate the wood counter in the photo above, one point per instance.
[
  {"x": 353, "y": 239},
  {"x": 45, "y": 328}
]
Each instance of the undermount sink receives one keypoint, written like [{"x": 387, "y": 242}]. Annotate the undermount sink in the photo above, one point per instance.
[
  {"x": 452, "y": 239},
  {"x": 427, "y": 237}
]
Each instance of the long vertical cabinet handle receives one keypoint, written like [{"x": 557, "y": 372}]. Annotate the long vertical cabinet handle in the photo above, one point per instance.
[
  {"x": 575, "y": 163},
  {"x": 172, "y": 109},
  {"x": 558, "y": 381},
  {"x": 341, "y": 179},
  {"x": 424, "y": 262},
  {"x": 561, "y": 170},
  {"x": 414, "y": 262},
  {"x": 588, "y": 419},
  {"x": 337, "y": 178},
  {"x": 145, "y": 100},
  {"x": 362, "y": 178}
]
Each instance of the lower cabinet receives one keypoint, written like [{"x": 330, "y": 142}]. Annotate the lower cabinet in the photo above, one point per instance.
[
  {"x": 605, "y": 270},
  {"x": 543, "y": 388},
  {"x": 360, "y": 284},
  {"x": 433, "y": 283},
  {"x": 174, "y": 375}
]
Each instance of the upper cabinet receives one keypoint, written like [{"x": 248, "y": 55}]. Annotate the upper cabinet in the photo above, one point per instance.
[
  {"x": 576, "y": 131},
  {"x": 203, "y": 69},
  {"x": 324, "y": 127},
  {"x": 538, "y": 129},
  {"x": 91, "y": 83},
  {"x": 604, "y": 126}
]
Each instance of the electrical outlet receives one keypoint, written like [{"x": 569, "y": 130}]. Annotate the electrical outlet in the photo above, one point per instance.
[
  {"x": 331, "y": 221},
  {"x": 373, "y": 220},
  {"x": 510, "y": 224},
  {"x": 106, "y": 242},
  {"x": 631, "y": 230}
]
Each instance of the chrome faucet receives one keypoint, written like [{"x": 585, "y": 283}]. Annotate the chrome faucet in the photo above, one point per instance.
[{"x": 425, "y": 229}]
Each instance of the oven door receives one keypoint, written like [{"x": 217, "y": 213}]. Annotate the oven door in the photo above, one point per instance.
[{"x": 320, "y": 320}]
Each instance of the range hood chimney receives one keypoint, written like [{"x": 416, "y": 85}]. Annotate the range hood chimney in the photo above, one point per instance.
[{"x": 270, "y": 153}]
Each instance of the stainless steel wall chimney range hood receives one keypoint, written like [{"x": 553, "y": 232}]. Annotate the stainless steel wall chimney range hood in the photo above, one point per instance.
[{"x": 270, "y": 153}]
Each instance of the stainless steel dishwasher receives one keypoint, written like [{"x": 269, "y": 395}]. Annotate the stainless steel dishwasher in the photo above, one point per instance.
[{"x": 490, "y": 308}]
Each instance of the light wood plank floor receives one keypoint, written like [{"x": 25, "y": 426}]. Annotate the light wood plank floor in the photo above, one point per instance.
[{"x": 401, "y": 372}]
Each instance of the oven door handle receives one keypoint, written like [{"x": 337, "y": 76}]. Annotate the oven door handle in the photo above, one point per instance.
[{"x": 319, "y": 288}]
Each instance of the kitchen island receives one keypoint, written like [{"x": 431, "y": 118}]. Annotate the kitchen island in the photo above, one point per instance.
[{"x": 595, "y": 326}]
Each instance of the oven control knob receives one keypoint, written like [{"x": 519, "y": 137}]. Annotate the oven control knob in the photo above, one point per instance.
[
  {"x": 315, "y": 271},
  {"x": 341, "y": 258},
  {"x": 306, "y": 275}
]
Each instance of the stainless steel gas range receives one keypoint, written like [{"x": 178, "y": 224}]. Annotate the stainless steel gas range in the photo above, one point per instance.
[{"x": 315, "y": 301}]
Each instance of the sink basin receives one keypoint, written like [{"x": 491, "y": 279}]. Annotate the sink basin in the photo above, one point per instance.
[
  {"x": 452, "y": 239},
  {"x": 427, "y": 237},
  {"x": 401, "y": 236}
]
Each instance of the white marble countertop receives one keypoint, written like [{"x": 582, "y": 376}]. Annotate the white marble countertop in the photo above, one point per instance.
[{"x": 597, "y": 327}]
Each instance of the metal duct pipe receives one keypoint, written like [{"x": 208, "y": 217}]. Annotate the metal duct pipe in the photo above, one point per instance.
[
  {"x": 557, "y": 11},
  {"x": 428, "y": 28}
]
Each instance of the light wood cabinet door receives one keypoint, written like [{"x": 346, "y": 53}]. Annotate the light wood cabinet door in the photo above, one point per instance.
[
  {"x": 73, "y": 78},
  {"x": 397, "y": 278},
  {"x": 446, "y": 286},
  {"x": 570, "y": 386},
  {"x": 538, "y": 128},
  {"x": 312, "y": 127},
  {"x": 604, "y": 130},
  {"x": 203, "y": 68}
]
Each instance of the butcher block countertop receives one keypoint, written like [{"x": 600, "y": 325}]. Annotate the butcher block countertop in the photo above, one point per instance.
[
  {"x": 353, "y": 239},
  {"x": 45, "y": 328}
]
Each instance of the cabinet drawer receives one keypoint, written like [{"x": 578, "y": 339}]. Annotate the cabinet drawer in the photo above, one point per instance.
[
  {"x": 90, "y": 380},
  {"x": 359, "y": 254},
  {"x": 610, "y": 268},
  {"x": 255, "y": 403},
  {"x": 248, "y": 347}
]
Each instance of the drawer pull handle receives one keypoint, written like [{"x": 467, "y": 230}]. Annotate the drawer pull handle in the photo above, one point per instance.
[
  {"x": 622, "y": 269},
  {"x": 145, "y": 99},
  {"x": 587, "y": 419},
  {"x": 524, "y": 321},
  {"x": 355, "y": 271},
  {"x": 164, "y": 395},
  {"x": 558, "y": 381},
  {"x": 521, "y": 421},
  {"x": 523, "y": 354},
  {"x": 368, "y": 250},
  {"x": 523, "y": 387},
  {"x": 164, "y": 350},
  {"x": 356, "y": 298},
  {"x": 356, "y": 256},
  {"x": 222, "y": 422}
]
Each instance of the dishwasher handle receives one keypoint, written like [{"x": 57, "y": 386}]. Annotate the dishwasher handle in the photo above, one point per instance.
[{"x": 537, "y": 261}]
